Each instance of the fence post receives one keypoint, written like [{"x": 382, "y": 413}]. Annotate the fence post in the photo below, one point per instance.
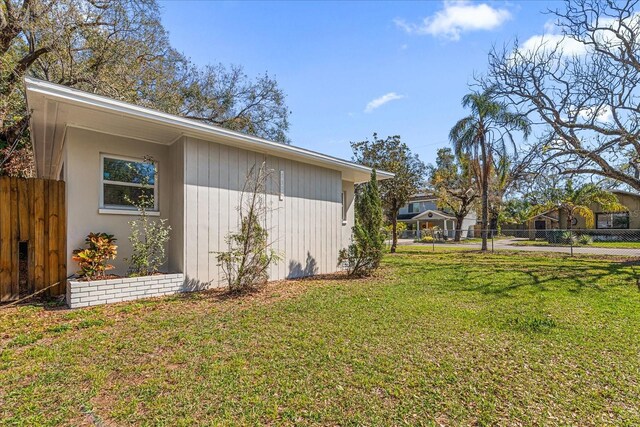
[
  {"x": 433, "y": 240},
  {"x": 491, "y": 241},
  {"x": 571, "y": 241}
]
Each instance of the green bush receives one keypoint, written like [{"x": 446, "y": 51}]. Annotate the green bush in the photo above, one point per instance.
[
  {"x": 426, "y": 239},
  {"x": 562, "y": 237},
  {"x": 585, "y": 239},
  {"x": 364, "y": 254}
]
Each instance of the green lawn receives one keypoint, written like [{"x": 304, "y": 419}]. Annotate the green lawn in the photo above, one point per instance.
[
  {"x": 621, "y": 245},
  {"x": 436, "y": 338}
]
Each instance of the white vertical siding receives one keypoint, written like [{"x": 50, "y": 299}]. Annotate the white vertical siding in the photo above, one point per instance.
[
  {"x": 176, "y": 215},
  {"x": 349, "y": 187},
  {"x": 305, "y": 228}
]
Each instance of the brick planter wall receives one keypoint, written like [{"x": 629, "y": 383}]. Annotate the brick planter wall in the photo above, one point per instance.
[{"x": 98, "y": 292}]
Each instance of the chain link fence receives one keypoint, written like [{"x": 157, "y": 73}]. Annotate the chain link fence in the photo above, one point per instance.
[{"x": 598, "y": 242}]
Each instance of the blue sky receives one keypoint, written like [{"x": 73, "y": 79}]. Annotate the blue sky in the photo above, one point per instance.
[{"x": 353, "y": 68}]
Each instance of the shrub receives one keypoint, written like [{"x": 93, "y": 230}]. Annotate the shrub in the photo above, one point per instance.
[
  {"x": 245, "y": 264},
  {"x": 563, "y": 237},
  {"x": 365, "y": 252},
  {"x": 148, "y": 237},
  {"x": 568, "y": 238},
  {"x": 148, "y": 240},
  {"x": 585, "y": 239},
  {"x": 427, "y": 239},
  {"x": 93, "y": 259},
  {"x": 401, "y": 227}
]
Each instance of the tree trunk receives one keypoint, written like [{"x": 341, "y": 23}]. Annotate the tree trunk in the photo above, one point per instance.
[
  {"x": 458, "y": 233},
  {"x": 394, "y": 232},
  {"x": 485, "y": 195}
]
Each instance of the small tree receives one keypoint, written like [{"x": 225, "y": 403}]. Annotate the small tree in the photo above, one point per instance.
[
  {"x": 363, "y": 255},
  {"x": 392, "y": 155},
  {"x": 454, "y": 183},
  {"x": 245, "y": 264},
  {"x": 148, "y": 237}
]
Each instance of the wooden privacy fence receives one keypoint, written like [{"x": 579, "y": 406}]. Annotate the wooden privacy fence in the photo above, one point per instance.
[{"x": 33, "y": 252}]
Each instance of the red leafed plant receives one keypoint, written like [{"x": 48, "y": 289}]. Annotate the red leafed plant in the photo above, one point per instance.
[{"x": 93, "y": 259}]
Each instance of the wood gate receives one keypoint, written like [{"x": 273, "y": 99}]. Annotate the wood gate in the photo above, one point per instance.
[{"x": 33, "y": 244}]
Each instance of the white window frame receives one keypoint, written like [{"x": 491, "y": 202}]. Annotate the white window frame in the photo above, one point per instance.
[{"x": 120, "y": 209}]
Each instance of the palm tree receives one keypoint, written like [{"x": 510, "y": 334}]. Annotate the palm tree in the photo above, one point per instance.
[
  {"x": 483, "y": 133},
  {"x": 577, "y": 201}
]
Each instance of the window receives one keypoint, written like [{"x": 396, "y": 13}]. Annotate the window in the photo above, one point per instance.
[
  {"x": 414, "y": 207},
  {"x": 612, "y": 220},
  {"x": 344, "y": 207},
  {"x": 123, "y": 180}
]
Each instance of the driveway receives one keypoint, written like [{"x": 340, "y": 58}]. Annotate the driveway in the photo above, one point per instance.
[{"x": 508, "y": 244}]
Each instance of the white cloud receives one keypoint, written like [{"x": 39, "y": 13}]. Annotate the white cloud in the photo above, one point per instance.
[
  {"x": 457, "y": 17},
  {"x": 550, "y": 39},
  {"x": 379, "y": 102},
  {"x": 602, "y": 114}
]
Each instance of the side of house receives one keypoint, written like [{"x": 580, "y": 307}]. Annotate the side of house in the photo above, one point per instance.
[
  {"x": 91, "y": 142},
  {"x": 605, "y": 223}
]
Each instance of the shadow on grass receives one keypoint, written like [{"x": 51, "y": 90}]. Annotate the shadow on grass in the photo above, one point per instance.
[{"x": 481, "y": 271}]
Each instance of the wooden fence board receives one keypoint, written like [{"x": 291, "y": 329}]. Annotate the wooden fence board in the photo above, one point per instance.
[
  {"x": 53, "y": 235},
  {"x": 15, "y": 231},
  {"x": 62, "y": 239},
  {"x": 38, "y": 238},
  {"x": 5, "y": 239},
  {"x": 32, "y": 211},
  {"x": 32, "y": 226}
]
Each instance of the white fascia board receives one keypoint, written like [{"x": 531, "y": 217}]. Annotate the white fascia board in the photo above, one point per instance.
[{"x": 189, "y": 127}]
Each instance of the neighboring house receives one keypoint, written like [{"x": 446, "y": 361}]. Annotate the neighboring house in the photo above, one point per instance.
[
  {"x": 422, "y": 214},
  {"x": 83, "y": 139},
  {"x": 606, "y": 223}
]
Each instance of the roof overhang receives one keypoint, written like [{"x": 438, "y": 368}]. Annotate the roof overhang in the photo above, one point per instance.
[{"x": 54, "y": 108}]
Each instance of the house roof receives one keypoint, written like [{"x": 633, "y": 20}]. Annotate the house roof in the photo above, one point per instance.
[
  {"x": 433, "y": 214},
  {"x": 54, "y": 108}
]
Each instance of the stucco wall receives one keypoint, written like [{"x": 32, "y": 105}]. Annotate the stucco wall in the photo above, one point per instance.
[
  {"x": 305, "y": 227},
  {"x": 82, "y": 174},
  {"x": 631, "y": 202}
]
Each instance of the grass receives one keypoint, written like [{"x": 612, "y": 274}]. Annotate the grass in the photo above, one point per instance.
[
  {"x": 435, "y": 339},
  {"x": 621, "y": 245}
]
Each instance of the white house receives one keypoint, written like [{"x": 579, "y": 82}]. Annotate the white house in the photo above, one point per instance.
[
  {"x": 82, "y": 138},
  {"x": 422, "y": 214}
]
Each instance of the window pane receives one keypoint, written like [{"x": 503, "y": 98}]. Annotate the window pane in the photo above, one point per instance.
[
  {"x": 120, "y": 195},
  {"x": 620, "y": 220},
  {"x": 129, "y": 171},
  {"x": 613, "y": 220}
]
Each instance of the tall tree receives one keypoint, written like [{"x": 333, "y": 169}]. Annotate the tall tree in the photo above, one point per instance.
[
  {"x": 581, "y": 83},
  {"x": 392, "y": 155},
  {"x": 119, "y": 48},
  {"x": 511, "y": 172},
  {"x": 482, "y": 134},
  {"x": 576, "y": 201},
  {"x": 454, "y": 184}
]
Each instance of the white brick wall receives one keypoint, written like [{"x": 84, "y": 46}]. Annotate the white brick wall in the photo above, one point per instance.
[{"x": 97, "y": 292}]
